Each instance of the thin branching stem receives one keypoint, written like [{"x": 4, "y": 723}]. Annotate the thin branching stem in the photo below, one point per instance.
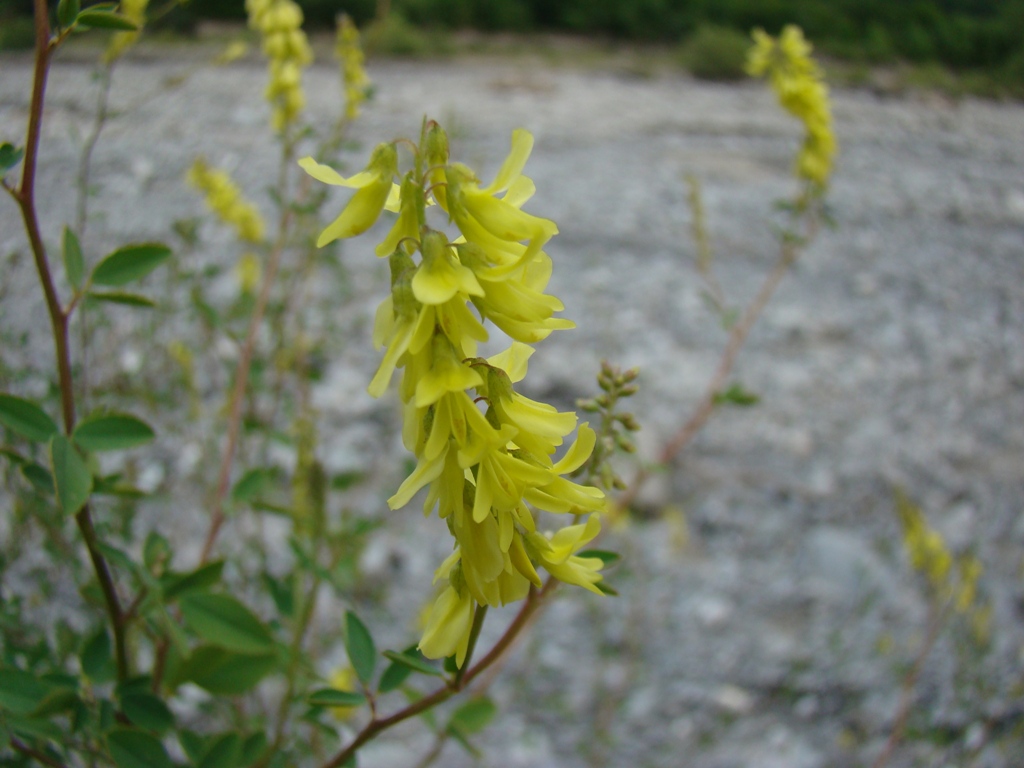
[
  {"x": 788, "y": 255},
  {"x": 936, "y": 622},
  {"x": 41, "y": 757},
  {"x": 533, "y": 601},
  {"x": 59, "y": 318},
  {"x": 237, "y": 398}
]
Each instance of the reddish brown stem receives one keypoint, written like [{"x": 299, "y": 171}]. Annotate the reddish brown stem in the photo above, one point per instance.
[
  {"x": 909, "y": 684},
  {"x": 238, "y": 391},
  {"x": 59, "y": 318},
  {"x": 737, "y": 338},
  {"x": 375, "y": 726}
]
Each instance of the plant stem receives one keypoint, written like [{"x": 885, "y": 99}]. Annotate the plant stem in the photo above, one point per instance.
[
  {"x": 35, "y": 754},
  {"x": 938, "y": 619},
  {"x": 237, "y": 398},
  {"x": 376, "y": 726},
  {"x": 789, "y": 252},
  {"x": 59, "y": 318}
]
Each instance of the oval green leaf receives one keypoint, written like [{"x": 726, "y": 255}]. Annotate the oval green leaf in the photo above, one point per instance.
[
  {"x": 10, "y": 156},
  {"x": 74, "y": 263},
  {"x": 147, "y": 711},
  {"x": 413, "y": 663},
  {"x": 204, "y": 576},
  {"x": 224, "y": 673},
  {"x": 105, "y": 20},
  {"x": 473, "y": 716},
  {"x": 123, "y": 298},
  {"x": 26, "y": 418},
  {"x": 359, "y": 645},
  {"x": 129, "y": 263},
  {"x": 112, "y": 432},
  {"x": 332, "y": 697},
  {"x": 67, "y": 12},
  {"x": 224, "y": 751},
  {"x": 223, "y": 621},
  {"x": 20, "y": 691},
  {"x": 71, "y": 477},
  {"x": 131, "y": 748}
]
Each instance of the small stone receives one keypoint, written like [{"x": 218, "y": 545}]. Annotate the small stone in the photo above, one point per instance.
[{"x": 733, "y": 699}]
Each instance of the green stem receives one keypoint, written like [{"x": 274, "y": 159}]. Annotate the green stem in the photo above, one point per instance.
[{"x": 474, "y": 635}]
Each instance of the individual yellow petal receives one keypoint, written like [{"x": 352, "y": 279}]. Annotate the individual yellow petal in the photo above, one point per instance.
[
  {"x": 513, "y": 361},
  {"x": 359, "y": 215},
  {"x": 448, "y": 627},
  {"x": 328, "y": 175},
  {"x": 522, "y": 145}
]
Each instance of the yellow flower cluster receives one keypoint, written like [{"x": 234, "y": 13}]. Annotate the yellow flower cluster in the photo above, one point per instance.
[
  {"x": 225, "y": 199},
  {"x": 353, "y": 74},
  {"x": 485, "y": 452},
  {"x": 285, "y": 44},
  {"x": 800, "y": 86},
  {"x": 930, "y": 557},
  {"x": 134, "y": 11}
]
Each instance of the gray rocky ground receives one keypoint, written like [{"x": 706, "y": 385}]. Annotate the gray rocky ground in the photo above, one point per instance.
[{"x": 767, "y": 609}]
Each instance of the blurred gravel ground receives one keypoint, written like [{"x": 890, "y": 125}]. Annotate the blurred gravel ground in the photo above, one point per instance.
[{"x": 755, "y": 615}]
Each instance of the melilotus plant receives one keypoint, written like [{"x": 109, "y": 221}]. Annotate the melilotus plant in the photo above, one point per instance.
[{"x": 520, "y": 485}]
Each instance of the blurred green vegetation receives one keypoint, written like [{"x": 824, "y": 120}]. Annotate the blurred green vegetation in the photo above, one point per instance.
[{"x": 961, "y": 35}]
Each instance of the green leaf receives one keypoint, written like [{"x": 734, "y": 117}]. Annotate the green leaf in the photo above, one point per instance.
[
  {"x": 332, "y": 697},
  {"x": 252, "y": 484},
  {"x": 224, "y": 673},
  {"x": 67, "y": 13},
  {"x": 414, "y": 661},
  {"x": 96, "y": 658},
  {"x": 359, "y": 645},
  {"x": 71, "y": 476},
  {"x": 224, "y": 621},
  {"x": 123, "y": 298},
  {"x": 281, "y": 592},
  {"x": 224, "y": 751},
  {"x": 147, "y": 711},
  {"x": 20, "y": 691},
  {"x": 39, "y": 476},
  {"x": 34, "y": 727},
  {"x": 156, "y": 552},
  {"x": 26, "y": 418},
  {"x": 604, "y": 556},
  {"x": 607, "y": 589},
  {"x": 132, "y": 748},
  {"x": 736, "y": 395},
  {"x": 129, "y": 263},
  {"x": 10, "y": 156},
  {"x": 112, "y": 432},
  {"x": 193, "y": 744},
  {"x": 74, "y": 264},
  {"x": 58, "y": 700},
  {"x": 473, "y": 716},
  {"x": 253, "y": 748},
  {"x": 105, "y": 20},
  {"x": 204, "y": 576}
]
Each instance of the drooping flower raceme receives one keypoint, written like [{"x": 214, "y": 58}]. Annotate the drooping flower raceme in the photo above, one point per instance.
[
  {"x": 800, "y": 86},
  {"x": 286, "y": 46},
  {"x": 353, "y": 73},
  {"x": 226, "y": 200},
  {"x": 486, "y": 454}
]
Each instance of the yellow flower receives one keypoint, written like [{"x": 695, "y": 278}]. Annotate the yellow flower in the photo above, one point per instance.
[
  {"x": 249, "y": 272},
  {"x": 286, "y": 46},
  {"x": 558, "y": 554},
  {"x": 372, "y": 188},
  {"x": 799, "y": 84},
  {"x": 343, "y": 679},
  {"x": 225, "y": 199},
  {"x": 353, "y": 74},
  {"x": 448, "y": 627}
]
